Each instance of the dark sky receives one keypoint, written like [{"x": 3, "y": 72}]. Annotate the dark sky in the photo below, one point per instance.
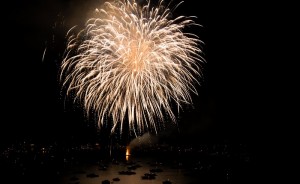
[{"x": 229, "y": 104}]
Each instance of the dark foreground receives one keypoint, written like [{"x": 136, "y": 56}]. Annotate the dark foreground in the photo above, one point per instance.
[{"x": 73, "y": 164}]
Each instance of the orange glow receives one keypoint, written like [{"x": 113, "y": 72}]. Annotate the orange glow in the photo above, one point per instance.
[{"x": 127, "y": 153}]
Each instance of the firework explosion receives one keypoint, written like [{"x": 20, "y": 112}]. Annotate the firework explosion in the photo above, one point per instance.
[{"x": 131, "y": 62}]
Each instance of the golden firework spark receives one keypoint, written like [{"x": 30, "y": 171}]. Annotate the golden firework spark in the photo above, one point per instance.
[{"x": 131, "y": 62}]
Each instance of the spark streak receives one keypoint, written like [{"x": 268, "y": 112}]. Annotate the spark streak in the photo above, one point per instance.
[
  {"x": 131, "y": 62},
  {"x": 44, "y": 53}
]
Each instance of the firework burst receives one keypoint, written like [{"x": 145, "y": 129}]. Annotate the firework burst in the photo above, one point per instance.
[{"x": 131, "y": 63}]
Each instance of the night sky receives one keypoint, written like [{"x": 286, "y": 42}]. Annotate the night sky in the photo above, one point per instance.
[{"x": 229, "y": 105}]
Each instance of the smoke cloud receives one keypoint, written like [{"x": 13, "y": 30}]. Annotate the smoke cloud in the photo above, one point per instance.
[{"x": 144, "y": 140}]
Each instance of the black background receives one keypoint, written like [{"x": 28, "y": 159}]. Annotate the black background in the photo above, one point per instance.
[{"x": 232, "y": 99}]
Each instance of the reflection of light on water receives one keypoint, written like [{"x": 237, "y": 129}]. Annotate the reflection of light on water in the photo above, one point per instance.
[
  {"x": 127, "y": 153},
  {"x": 173, "y": 174}
]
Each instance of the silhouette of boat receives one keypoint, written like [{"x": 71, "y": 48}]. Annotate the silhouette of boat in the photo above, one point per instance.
[
  {"x": 126, "y": 172},
  {"x": 92, "y": 175},
  {"x": 116, "y": 179},
  {"x": 105, "y": 182},
  {"x": 156, "y": 170},
  {"x": 149, "y": 176},
  {"x": 167, "y": 182}
]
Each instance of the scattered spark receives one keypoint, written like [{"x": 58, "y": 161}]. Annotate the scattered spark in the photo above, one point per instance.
[{"x": 44, "y": 54}]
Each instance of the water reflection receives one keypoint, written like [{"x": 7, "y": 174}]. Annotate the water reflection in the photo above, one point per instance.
[{"x": 131, "y": 171}]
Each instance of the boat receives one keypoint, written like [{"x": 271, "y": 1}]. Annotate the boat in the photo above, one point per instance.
[
  {"x": 156, "y": 170},
  {"x": 149, "y": 176},
  {"x": 105, "y": 182},
  {"x": 126, "y": 172},
  {"x": 92, "y": 175},
  {"x": 116, "y": 179},
  {"x": 167, "y": 182}
]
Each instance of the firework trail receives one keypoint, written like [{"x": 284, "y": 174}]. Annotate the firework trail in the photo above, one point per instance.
[{"x": 131, "y": 62}]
